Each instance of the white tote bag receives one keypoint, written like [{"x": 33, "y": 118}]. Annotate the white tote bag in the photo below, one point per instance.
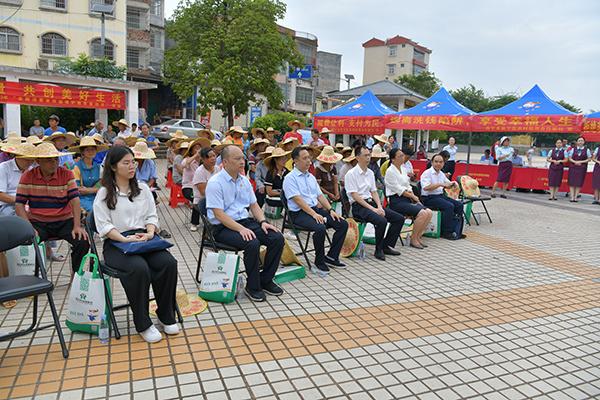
[{"x": 21, "y": 259}]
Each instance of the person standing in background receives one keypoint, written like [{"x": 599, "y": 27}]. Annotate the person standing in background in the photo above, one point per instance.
[
  {"x": 530, "y": 155},
  {"x": 451, "y": 163}
]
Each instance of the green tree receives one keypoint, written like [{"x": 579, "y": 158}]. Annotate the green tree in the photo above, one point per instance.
[
  {"x": 84, "y": 65},
  {"x": 230, "y": 50},
  {"x": 425, "y": 83},
  {"x": 472, "y": 98},
  {"x": 278, "y": 120},
  {"x": 569, "y": 106}
]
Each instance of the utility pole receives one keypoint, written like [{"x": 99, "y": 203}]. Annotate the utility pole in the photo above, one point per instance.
[{"x": 287, "y": 73}]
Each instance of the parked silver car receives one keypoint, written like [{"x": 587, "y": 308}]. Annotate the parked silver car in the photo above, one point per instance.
[{"x": 188, "y": 126}]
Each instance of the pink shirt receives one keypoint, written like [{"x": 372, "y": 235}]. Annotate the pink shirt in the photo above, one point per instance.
[
  {"x": 188, "y": 173},
  {"x": 202, "y": 175}
]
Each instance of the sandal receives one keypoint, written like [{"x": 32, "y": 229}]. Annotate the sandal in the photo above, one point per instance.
[
  {"x": 57, "y": 257},
  {"x": 164, "y": 234},
  {"x": 9, "y": 304}
]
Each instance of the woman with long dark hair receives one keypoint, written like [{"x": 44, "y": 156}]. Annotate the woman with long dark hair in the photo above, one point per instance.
[{"x": 124, "y": 211}]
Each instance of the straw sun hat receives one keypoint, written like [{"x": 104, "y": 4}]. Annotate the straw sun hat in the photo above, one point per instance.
[
  {"x": 88, "y": 141},
  {"x": 33, "y": 140},
  {"x": 11, "y": 142},
  {"x": 23, "y": 150},
  {"x": 221, "y": 146},
  {"x": 267, "y": 152},
  {"x": 288, "y": 256},
  {"x": 351, "y": 157},
  {"x": 329, "y": 156},
  {"x": 141, "y": 151},
  {"x": 256, "y": 142},
  {"x": 325, "y": 130},
  {"x": 208, "y": 132},
  {"x": 277, "y": 152},
  {"x": 254, "y": 130},
  {"x": 470, "y": 186},
  {"x": 293, "y": 140},
  {"x": 178, "y": 134},
  {"x": 273, "y": 131},
  {"x": 121, "y": 121},
  {"x": 352, "y": 238},
  {"x": 315, "y": 150},
  {"x": 13, "y": 135},
  {"x": 47, "y": 150},
  {"x": 291, "y": 123},
  {"x": 381, "y": 138},
  {"x": 188, "y": 304},
  {"x": 69, "y": 137},
  {"x": 378, "y": 153},
  {"x": 202, "y": 142}
]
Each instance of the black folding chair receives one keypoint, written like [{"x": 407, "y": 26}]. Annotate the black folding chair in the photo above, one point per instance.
[
  {"x": 473, "y": 199},
  {"x": 16, "y": 232},
  {"x": 208, "y": 238},
  {"x": 289, "y": 224},
  {"x": 103, "y": 268}
]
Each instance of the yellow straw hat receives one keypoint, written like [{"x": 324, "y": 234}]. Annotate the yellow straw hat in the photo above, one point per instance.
[
  {"x": 272, "y": 131},
  {"x": 178, "y": 134},
  {"x": 470, "y": 186},
  {"x": 47, "y": 150},
  {"x": 267, "y": 152},
  {"x": 14, "y": 135},
  {"x": 207, "y": 133},
  {"x": 121, "y": 121},
  {"x": 236, "y": 129},
  {"x": 339, "y": 146},
  {"x": 221, "y": 146},
  {"x": 141, "y": 151},
  {"x": 453, "y": 192},
  {"x": 98, "y": 138},
  {"x": 181, "y": 146},
  {"x": 352, "y": 238},
  {"x": 11, "y": 142},
  {"x": 329, "y": 156},
  {"x": 202, "y": 142},
  {"x": 188, "y": 304},
  {"x": 90, "y": 125},
  {"x": 293, "y": 140},
  {"x": 381, "y": 138},
  {"x": 88, "y": 141},
  {"x": 256, "y": 142},
  {"x": 69, "y": 137},
  {"x": 350, "y": 158},
  {"x": 325, "y": 131},
  {"x": 290, "y": 123},
  {"x": 288, "y": 257},
  {"x": 254, "y": 130},
  {"x": 378, "y": 153},
  {"x": 315, "y": 150},
  {"x": 277, "y": 152},
  {"x": 25, "y": 150},
  {"x": 33, "y": 140}
]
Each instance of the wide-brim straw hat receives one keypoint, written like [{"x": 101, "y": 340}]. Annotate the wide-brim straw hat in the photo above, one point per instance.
[
  {"x": 453, "y": 191},
  {"x": 132, "y": 140},
  {"x": 90, "y": 125},
  {"x": 293, "y": 140},
  {"x": 267, "y": 152},
  {"x": 221, "y": 146},
  {"x": 277, "y": 153},
  {"x": 325, "y": 131},
  {"x": 141, "y": 151},
  {"x": 11, "y": 142},
  {"x": 236, "y": 129},
  {"x": 170, "y": 141},
  {"x": 256, "y": 142},
  {"x": 254, "y": 130},
  {"x": 69, "y": 137},
  {"x": 211, "y": 134},
  {"x": 288, "y": 256},
  {"x": 88, "y": 141},
  {"x": 329, "y": 156},
  {"x": 13, "y": 135},
  {"x": 202, "y": 142},
  {"x": 33, "y": 140},
  {"x": 272, "y": 131},
  {"x": 381, "y": 138},
  {"x": 121, "y": 121},
  {"x": 98, "y": 138},
  {"x": 504, "y": 138},
  {"x": 178, "y": 134},
  {"x": 188, "y": 304},
  {"x": 352, "y": 238},
  {"x": 23, "y": 150},
  {"x": 47, "y": 150},
  {"x": 351, "y": 157},
  {"x": 339, "y": 146},
  {"x": 470, "y": 186},
  {"x": 315, "y": 150},
  {"x": 183, "y": 145},
  {"x": 214, "y": 143},
  {"x": 378, "y": 153},
  {"x": 345, "y": 149},
  {"x": 290, "y": 123}
]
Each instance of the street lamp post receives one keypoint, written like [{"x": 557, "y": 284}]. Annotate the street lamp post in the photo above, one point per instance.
[
  {"x": 348, "y": 77},
  {"x": 103, "y": 9}
]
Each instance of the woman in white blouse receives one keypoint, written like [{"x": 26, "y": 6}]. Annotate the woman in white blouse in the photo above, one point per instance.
[
  {"x": 124, "y": 211},
  {"x": 402, "y": 199}
]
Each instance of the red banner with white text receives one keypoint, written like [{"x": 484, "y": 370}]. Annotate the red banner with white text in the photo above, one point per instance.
[{"x": 56, "y": 96}]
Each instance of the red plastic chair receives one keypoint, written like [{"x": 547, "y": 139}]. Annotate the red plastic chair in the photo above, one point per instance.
[
  {"x": 169, "y": 179},
  {"x": 176, "y": 196}
]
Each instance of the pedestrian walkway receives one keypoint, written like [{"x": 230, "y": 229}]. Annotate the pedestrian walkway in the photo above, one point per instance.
[{"x": 512, "y": 312}]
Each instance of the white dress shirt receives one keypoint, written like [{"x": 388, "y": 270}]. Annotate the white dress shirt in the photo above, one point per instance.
[
  {"x": 361, "y": 182},
  {"x": 408, "y": 167},
  {"x": 396, "y": 181},
  {"x": 127, "y": 215},
  {"x": 430, "y": 177}
]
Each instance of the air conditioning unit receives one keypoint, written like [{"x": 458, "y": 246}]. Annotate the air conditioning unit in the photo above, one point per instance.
[{"x": 45, "y": 65}]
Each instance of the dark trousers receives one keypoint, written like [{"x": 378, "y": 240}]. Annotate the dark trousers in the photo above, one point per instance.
[
  {"x": 273, "y": 240},
  {"x": 189, "y": 194},
  {"x": 304, "y": 220},
  {"x": 395, "y": 219},
  {"x": 136, "y": 273},
  {"x": 450, "y": 167},
  {"x": 260, "y": 197},
  {"x": 62, "y": 230},
  {"x": 447, "y": 206}
]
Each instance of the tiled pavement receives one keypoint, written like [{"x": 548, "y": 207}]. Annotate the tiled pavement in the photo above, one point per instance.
[{"x": 512, "y": 312}]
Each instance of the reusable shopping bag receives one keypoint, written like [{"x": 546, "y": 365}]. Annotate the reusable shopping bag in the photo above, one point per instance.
[
  {"x": 219, "y": 278},
  {"x": 21, "y": 259}
]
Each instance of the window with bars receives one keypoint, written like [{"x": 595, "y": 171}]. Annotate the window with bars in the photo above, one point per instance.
[
  {"x": 303, "y": 95},
  {"x": 134, "y": 18},
  {"x": 10, "y": 39},
  {"x": 133, "y": 58},
  {"x": 61, "y": 4},
  {"x": 156, "y": 7},
  {"x": 96, "y": 49},
  {"x": 155, "y": 39},
  {"x": 54, "y": 44},
  {"x": 102, "y": 3}
]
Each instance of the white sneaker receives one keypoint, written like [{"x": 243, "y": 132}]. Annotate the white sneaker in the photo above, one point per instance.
[
  {"x": 289, "y": 235},
  {"x": 172, "y": 329},
  {"x": 151, "y": 335},
  {"x": 193, "y": 228}
]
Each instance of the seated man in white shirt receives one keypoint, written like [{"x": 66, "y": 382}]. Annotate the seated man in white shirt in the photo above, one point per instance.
[
  {"x": 433, "y": 182},
  {"x": 362, "y": 193}
]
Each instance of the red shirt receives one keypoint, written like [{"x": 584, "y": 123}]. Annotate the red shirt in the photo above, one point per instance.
[
  {"x": 49, "y": 200},
  {"x": 293, "y": 135},
  {"x": 326, "y": 141}
]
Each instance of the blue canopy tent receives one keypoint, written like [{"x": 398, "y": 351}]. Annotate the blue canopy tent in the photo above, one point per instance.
[{"x": 364, "y": 116}]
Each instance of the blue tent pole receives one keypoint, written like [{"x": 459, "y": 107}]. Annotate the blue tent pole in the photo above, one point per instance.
[{"x": 469, "y": 152}]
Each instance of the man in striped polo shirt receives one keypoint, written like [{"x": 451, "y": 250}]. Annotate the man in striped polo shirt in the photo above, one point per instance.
[{"x": 53, "y": 198}]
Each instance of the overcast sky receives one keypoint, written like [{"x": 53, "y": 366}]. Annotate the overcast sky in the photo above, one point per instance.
[{"x": 498, "y": 46}]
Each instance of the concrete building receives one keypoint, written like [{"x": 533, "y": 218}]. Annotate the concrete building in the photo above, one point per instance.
[
  {"x": 392, "y": 58},
  {"x": 328, "y": 80}
]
